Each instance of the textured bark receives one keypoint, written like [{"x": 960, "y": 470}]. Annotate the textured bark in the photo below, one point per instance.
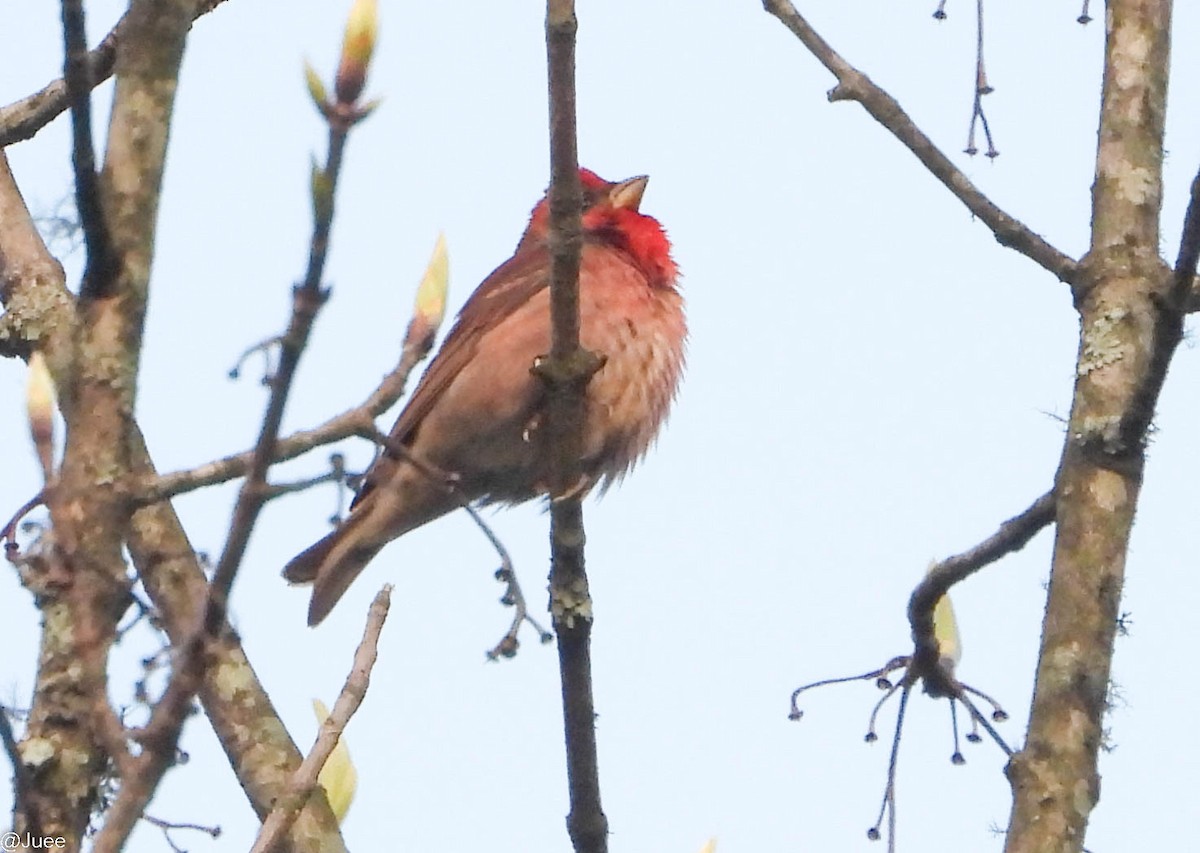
[
  {"x": 1128, "y": 330},
  {"x": 259, "y": 748},
  {"x": 40, "y": 315},
  {"x": 90, "y": 515},
  {"x": 262, "y": 754}
]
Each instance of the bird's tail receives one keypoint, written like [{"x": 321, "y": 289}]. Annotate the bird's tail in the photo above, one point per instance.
[
  {"x": 331, "y": 565},
  {"x": 402, "y": 503}
]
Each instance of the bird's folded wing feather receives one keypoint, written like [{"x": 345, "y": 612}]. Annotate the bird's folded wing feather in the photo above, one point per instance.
[{"x": 510, "y": 286}]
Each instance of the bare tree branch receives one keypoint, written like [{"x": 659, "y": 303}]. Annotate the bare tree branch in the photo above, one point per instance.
[
  {"x": 161, "y": 734},
  {"x": 112, "y": 307},
  {"x": 1013, "y": 535},
  {"x": 1183, "y": 282},
  {"x": 20, "y": 771},
  {"x": 853, "y": 85},
  {"x": 260, "y": 751},
  {"x": 359, "y": 421},
  {"x": 35, "y": 315},
  {"x": 34, "y": 318},
  {"x": 57, "y": 803},
  {"x": 168, "y": 827},
  {"x": 1130, "y": 324},
  {"x": 77, "y": 74},
  {"x": 41, "y": 314},
  {"x": 341, "y": 115},
  {"x": 304, "y": 781},
  {"x": 24, "y": 118},
  {"x": 982, "y": 88},
  {"x": 566, "y": 372}
]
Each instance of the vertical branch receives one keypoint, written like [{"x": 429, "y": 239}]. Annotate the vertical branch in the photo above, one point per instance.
[
  {"x": 71, "y": 723},
  {"x": 161, "y": 734},
  {"x": 260, "y": 750},
  {"x": 341, "y": 114},
  {"x": 1129, "y": 327},
  {"x": 41, "y": 313},
  {"x": 566, "y": 372},
  {"x": 982, "y": 87},
  {"x": 90, "y": 514},
  {"x": 77, "y": 75},
  {"x": 565, "y": 193},
  {"x": 49, "y": 798},
  {"x": 306, "y": 778}
]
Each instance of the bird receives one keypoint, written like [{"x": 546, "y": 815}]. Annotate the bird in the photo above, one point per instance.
[{"x": 476, "y": 413}]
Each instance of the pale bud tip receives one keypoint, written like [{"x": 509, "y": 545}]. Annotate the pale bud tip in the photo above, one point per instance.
[
  {"x": 945, "y": 631},
  {"x": 315, "y": 86},
  {"x": 362, "y": 29},
  {"x": 338, "y": 777},
  {"x": 40, "y": 403},
  {"x": 430, "y": 304}
]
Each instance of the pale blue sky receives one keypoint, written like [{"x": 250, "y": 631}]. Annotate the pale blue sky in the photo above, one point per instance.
[{"x": 873, "y": 383}]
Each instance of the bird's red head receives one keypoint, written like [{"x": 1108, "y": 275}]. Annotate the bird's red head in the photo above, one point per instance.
[{"x": 610, "y": 214}]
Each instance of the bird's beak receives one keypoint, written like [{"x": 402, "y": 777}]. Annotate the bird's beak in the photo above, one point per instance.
[{"x": 628, "y": 194}]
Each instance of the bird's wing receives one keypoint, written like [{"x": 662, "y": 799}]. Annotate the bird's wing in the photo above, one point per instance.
[{"x": 509, "y": 286}]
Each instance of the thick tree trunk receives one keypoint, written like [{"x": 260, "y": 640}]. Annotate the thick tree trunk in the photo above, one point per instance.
[{"x": 1128, "y": 330}]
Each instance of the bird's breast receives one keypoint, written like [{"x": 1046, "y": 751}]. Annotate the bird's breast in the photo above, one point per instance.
[{"x": 641, "y": 331}]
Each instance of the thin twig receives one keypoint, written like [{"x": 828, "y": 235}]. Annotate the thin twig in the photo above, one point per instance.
[
  {"x": 145, "y": 611},
  {"x": 1189, "y": 250},
  {"x": 905, "y": 685},
  {"x": 982, "y": 87},
  {"x": 981, "y": 81},
  {"x": 853, "y": 85},
  {"x": 980, "y": 719},
  {"x": 1012, "y": 536},
  {"x": 448, "y": 482},
  {"x": 938, "y": 681},
  {"x": 305, "y": 778},
  {"x": 22, "y": 119},
  {"x": 278, "y": 490},
  {"x": 880, "y": 675},
  {"x": 8, "y": 534},
  {"x": 888, "y": 806},
  {"x": 956, "y": 757},
  {"x": 445, "y": 480},
  {"x": 307, "y": 299},
  {"x": 168, "y": 827},
  {"x": 513, "y": 595},
  {"x": 357, "y": 421},
  {"x": 20, "y": 771},
  {"x": 262, "y": 348}
]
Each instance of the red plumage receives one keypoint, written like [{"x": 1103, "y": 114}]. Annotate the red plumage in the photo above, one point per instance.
[{"x": 476, "y": 411}]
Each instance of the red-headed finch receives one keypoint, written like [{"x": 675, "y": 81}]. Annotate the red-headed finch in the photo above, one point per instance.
[{"x": 476, "y": 411}]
